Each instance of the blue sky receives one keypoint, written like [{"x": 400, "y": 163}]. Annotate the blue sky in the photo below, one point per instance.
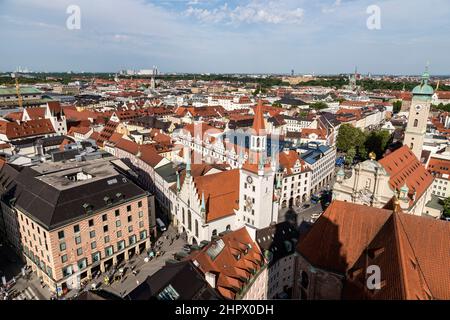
[{"x": 248, "y": 36}]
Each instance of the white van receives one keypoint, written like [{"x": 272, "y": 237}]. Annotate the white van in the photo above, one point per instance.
[{"x": 161, "y": 225}]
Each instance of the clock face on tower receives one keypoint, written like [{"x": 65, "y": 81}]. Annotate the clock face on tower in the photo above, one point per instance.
[
  {"x": 418, "y": 108},
  {"x": 249, "y": 180}
]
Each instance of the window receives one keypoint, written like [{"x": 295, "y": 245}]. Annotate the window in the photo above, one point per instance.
[
  {"x": 416, "y": 122},
  {"x": 120, "y": 245},
  {"x": 214, "y": 233},
  {"x": 105, "y": 228},
  {"x": 93, "y": 245},
  {"x": 196, "y": 228},
  {"x": 64, "y": 258},
  {"x": 106, "y": 239},
  {"x": 118, "y": 223},
  {"x": 62, "y": 246},
  {"x": 117, "y": 213},
  {"x": 77, "y": 240},
  {"x": 141, "y": 224},
  {"x": 79, "y": 251},
  {"x": 92, "y": 234},
  {"x": 140, "y": 204},
  {"x": 130, "y": 218},
  {"x": 141, "y": 214},
  {"x": 119, "y": 234},
  {"x": 130, "y": 229},
  {"x": 61, "y": 234},
  {"x": 129, "y": 208},
  {"x": 109, "y": 251},
  {"x": 305, "y": 280},
  {"x": 67, "y": 271},
  {"x": 105, "y": 217},
  {"x": 76, "y": 228},
  {"x": 143, "y": 234},
  {"x": 82, "y": 264},
  {"x": 96, "y": 257},
  {"x": 132, "y": 239},
  {"x": 91, "y": 223},
  {"x": 189, "y": 220}
]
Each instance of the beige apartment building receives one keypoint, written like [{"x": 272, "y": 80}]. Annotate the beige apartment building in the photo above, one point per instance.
[{"x": 76, "y": 219}]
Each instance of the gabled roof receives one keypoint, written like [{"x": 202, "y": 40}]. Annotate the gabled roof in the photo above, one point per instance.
[
  {"x": 233, "y": 259},
  {"x": 27, "y": 129},
  {"x": 221, "y": 192},
  {"x": 178, "y": 281},
  {"x": 413, "y": 252},
  {"x": 403, "y": 167}
]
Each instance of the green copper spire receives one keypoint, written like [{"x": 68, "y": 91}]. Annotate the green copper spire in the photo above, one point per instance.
[{"x": 424, "y": 89}]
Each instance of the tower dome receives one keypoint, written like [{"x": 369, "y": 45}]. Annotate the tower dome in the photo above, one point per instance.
[{"x": 424, "y": 89}]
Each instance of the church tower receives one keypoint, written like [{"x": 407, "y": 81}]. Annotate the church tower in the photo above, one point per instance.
[
  {"x": 256, "y": 206},
  {"x": 418, "y": 116}
]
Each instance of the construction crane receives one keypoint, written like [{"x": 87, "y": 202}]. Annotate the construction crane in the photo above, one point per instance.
[{"x": 19, "y": 96}]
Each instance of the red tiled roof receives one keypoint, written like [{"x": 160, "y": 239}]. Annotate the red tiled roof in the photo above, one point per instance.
[
  {"x": 349, "y": 237},
  {"x": 443, "y": 94},
  {"x": 403, "y": 166},
  {"x": 14, "y": 116},
  {"x": 439, "y": 167},
  {"x": 233, "y": 266},
  {"x": 258, "y": 122},
  {"x": 32, "y": 128},
  {"x": 35, "y": 113},
  {"x": 221, "y": 192}
]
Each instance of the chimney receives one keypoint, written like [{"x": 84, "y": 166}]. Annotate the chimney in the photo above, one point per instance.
[{"x": 211, "y": 279}]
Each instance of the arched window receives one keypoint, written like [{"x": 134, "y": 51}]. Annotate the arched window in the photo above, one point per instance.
[
  {"x": 184, "y": 220},
  {"x": 214, "y": 233},
  {"x": 416, "y": 122},
  {"x": 228, "y": 228},
  {"x": 258, "y": 142},
  {"x": 412, "y": 146},
  {"x": 305, "y": 280},
  {"x": 196, "y": 228},
  {"x": 189, "y": 220}
]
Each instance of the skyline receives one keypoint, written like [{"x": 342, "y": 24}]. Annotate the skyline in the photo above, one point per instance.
[{"x": 253, "y": 36}]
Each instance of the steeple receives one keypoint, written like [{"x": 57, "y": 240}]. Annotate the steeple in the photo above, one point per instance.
[{"x": 258, "y": 120}]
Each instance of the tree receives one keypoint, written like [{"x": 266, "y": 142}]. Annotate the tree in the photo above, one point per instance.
[
  {"x": 349, "y": 137},
  {"x": 276, "y": 105},
  {"x": 377, "y": 141},
  {"x": 397, "y": 106},
  {"x": 350, "y": 155},
  {"x": 446, "y": 204},
  {"x": 318, "y": 105}
]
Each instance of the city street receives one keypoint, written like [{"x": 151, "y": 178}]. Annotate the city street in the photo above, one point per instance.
[
  {"x": 19, "y": 287},
  {"x": 136, "y": 270}
]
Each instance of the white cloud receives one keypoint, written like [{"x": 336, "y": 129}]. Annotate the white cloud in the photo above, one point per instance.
[
  {"x": 254, "y": 12},
  {"x": 331, "y": 8}
]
